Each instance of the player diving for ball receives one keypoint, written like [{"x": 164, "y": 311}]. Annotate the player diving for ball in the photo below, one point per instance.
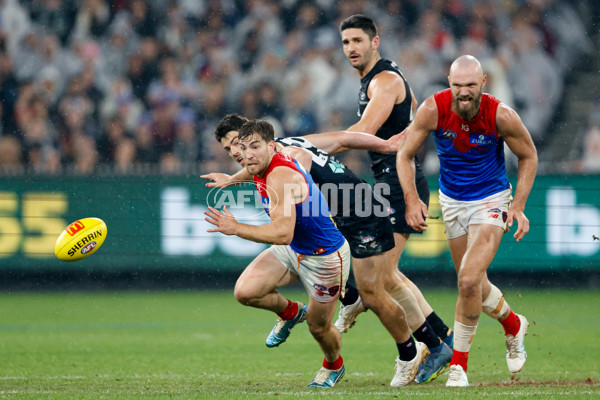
[
  {"x": 306, "y": 247},
  {"x": 365, "y": 224}
]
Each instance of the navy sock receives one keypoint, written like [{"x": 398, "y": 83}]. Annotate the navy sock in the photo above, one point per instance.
[
  {"x": 350, "y": 296},
  {"x": 407, "y": 350},
  {"x": 425, "y": 334},
  {"x": 438, "y": 326}
]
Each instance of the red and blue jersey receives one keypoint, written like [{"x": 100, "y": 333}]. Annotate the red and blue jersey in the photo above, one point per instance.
[
  {"x": 314, "y": 232},
  {"x": 471, "y": 153}
]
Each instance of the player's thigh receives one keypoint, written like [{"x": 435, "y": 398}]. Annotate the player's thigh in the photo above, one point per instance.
[
  {"x": 482, "y": 244},
  {"x": 265, "y": 274},
  {"x": 400, "y": 240},
  {"x": 458, "y": 247}
]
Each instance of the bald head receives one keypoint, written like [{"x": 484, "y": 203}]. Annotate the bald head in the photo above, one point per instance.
[
  {"x": 466, "y": 65},
  {"x": 466, "y": 81}
]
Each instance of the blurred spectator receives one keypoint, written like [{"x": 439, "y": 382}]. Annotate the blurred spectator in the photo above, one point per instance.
[
  {"x": 142, "y": 67},
  {"x": 85, "y": 155},
  {"x": 9, "y": 90},
  {"x": 92, "y": 20},
  {"x": 114, "y": 132},
  {"x": 146, "y": 82},
  {"x": 10, "y": 154},
  {"x": 187, "y": 145},
  {"x": 120, "y": 101},
  {"x": 124, "y": 155},
  {"x": 56, "y": 16}
]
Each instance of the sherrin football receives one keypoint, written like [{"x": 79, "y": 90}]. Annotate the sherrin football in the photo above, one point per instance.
[{"x": 80, "y": 239}]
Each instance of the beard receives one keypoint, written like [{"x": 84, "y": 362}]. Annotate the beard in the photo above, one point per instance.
[{"x": 467, "y": 113}]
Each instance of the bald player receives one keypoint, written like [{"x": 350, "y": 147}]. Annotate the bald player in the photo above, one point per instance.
[{"x": 470, "y": 128}]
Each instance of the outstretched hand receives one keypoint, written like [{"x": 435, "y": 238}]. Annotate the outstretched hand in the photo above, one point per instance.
[
  {"x": 217, "y": 179},
  {"x": 224, "y": 221}
]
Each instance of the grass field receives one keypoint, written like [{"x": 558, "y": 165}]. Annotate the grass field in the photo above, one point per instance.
[{"x": 203, "y": 345}]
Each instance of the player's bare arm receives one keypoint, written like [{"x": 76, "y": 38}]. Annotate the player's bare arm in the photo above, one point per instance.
[
  {"x": 339, "y": 141},
  {"x": 517, "y": 137},
  {"x": 219, "y": 179},
  {"x": 385, "y": 90},
  {"x": 415, "y": 134},
  {"x": 284, "y": 189}
]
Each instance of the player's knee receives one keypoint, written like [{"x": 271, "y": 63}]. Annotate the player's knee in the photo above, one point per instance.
[
  {"x": 318, "y": 329},
  {"x": 243, "y": 295},
  {"x": 468, "y": 285}
]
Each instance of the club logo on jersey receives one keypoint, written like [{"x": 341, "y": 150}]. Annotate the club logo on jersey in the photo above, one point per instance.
[
  {"x": 477, "y": 138},
  {"x": 367, "y": 239},
  {"x": 449, "y": 134},
  {"x": 504, "y": 216},
  {"x": 336, "y": 167},
  {"x": 391, "y": 211}
]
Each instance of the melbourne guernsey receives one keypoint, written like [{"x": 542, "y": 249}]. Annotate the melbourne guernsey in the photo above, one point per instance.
[
  {"x": 314, "y": 232},
  {"x": 471, "y": 152}
]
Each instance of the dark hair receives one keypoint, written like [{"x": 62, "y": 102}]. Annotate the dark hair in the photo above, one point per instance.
[
  {"x": 361, "y": 22},
  {"x": 230, "y": 122},
  {"x": 259, "y": 127}
]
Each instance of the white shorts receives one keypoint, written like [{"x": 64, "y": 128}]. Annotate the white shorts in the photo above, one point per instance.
[
  {"x": 458, "y": 215},
  {"x": 323, "y": 277}
]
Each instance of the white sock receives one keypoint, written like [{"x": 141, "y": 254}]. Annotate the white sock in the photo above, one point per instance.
[{"x": 463, "y": 336}]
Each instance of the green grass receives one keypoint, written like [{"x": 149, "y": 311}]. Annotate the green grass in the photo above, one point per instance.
[{"x": 204, "y": 345}]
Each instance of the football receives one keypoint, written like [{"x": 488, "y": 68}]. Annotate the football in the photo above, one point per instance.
[{"x": 80, "y": 239}]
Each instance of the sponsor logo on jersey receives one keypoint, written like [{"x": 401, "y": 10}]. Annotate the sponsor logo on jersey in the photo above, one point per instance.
[
  {"x": 495, "y": 210},
  {"x": 318, "y": 251},
  {"x": 477, "y": 138},
  {"x": 449, "y": 134}
]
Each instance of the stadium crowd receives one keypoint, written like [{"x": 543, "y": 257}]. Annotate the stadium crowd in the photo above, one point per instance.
[{"x": 129, "y": 86}]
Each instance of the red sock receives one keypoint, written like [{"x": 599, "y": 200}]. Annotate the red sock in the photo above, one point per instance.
[
  {"x": 511, "y": 324},
  {"x": 460, "y": 358},
  {"x": 337, "y": 364},
  {"x": 290, "y": 311}
]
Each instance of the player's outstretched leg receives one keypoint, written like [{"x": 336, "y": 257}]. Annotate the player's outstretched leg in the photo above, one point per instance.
[
  {"x": 351, "y": 306},
  {"x": 406, "y": 371},
  {"x": 283, "y": 326}
]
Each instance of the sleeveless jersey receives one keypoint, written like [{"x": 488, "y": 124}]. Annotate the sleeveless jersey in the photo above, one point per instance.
[
  {"x": 398, "y": 120},
  {"x": 314, "y": 232},
  {"x": 471, "y": 153}
]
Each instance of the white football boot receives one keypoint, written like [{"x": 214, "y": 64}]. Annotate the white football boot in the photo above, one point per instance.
[{"x": 515, "y": 347}]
